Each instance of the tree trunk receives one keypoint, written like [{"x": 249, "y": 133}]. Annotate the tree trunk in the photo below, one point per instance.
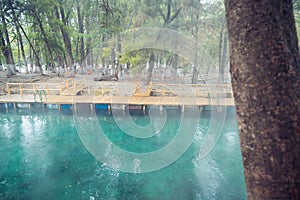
[
  {"x": 195, "y": 75},
  {"x": 23, "y": 51},
  {"x": 20, "y": 39},
  {"x": 113, "y": 57},
  {"x": 88, "y": 42},
  {"x": 81, "y": 31},
  {"x": 33, "y": 49},
  {"x": 31, "y": 58},
  {"x": 168, "y": 18},
  {"x": 88, "y": 52},
  {"x": 175, "y": 65},
  {"x": 103, "y": 62},
  {"x": 37, "y": 52},
  {"x": 265, "y": 69},
  {"x": 103, "y": 44},
  {"x": 45, "y": 39},
  {"x": 6, "y": 47},
  {"x": 65, "y": 36},
  {"x": 151, "y": 67}
]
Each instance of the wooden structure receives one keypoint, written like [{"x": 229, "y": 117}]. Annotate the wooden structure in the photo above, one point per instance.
[
  {"x": 71, "y": 88},
  {"x": 72, "y": 92}
]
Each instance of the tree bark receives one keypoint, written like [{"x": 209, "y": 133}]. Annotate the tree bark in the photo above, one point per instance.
[
  {"x": 265, "y": 65},
  {"x": 81, "y": 31},
  {"x": 6, "y": 47},
  {"x": 65, "y": 36},
  {"x": 88, "y": 50}
]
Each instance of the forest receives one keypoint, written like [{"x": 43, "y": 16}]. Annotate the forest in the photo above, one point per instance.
[{"x": 58, "y": 34}]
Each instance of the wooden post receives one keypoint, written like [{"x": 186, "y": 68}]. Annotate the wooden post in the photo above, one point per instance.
[
  {"x": 92, "y": 107},
  {"x": 149, "y": 87},
  {"x": 137, "y": 85},
  {"x": 144, "y": 109},
  {"x": 8, "y": 88},
  {"x": 109, "y": 108},
  {"x": 74, "y": 108},
  {"x": 47, "y": 90},
  {"x": 60, "y": 89},
  {"x": 197, "y": 91},
  {"x": 21, "y": 90},
  {"x": 67, "y": 84},
  {"x": 118, "y": 91},
  {"x": 102, "y": 87},
  {"x": 200, "y": 108}
]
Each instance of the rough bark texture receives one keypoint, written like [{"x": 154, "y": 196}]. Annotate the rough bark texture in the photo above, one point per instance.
[{"x": 265, "y": 65}]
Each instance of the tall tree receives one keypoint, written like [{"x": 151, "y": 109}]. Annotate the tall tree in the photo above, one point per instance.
[
  {"x": 60, "y": 14},
  {"x": 5, "y": 42},
  {"x": 265, "y": 68},
  {"x": 81, "y": 32},
  {"x": 32, "y": 49},
  {"x": 13, "y": 7}
]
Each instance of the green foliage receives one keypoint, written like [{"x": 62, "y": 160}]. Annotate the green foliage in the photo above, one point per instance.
[
  {"x": 135, "y": 58},
  {"x": 102, "y": 20},
  {"x": 106, "y": 52}
]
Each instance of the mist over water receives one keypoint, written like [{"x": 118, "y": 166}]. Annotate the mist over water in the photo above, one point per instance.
[{"x": 42, "y": 157}]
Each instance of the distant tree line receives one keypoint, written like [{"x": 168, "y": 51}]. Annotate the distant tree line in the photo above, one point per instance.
[{"x": 63, "y": 32}]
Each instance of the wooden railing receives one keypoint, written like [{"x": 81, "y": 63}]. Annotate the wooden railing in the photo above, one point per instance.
[
  {"x": 22, "y": 88},
  {"x": 65, "y": 85},
  {"x": 103, "y": 89},
  {"x": 118, "y": 89},
  {"x": 198, "y": 90},
  {"x": 33, "y": 88}
]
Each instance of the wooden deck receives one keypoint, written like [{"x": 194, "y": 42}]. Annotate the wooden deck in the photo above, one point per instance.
[
  {"x": 123, "y": 100},
  {"x": 71, "y": 92}
]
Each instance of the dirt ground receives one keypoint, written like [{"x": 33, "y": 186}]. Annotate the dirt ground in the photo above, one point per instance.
[{"x": 26, "y": 78}]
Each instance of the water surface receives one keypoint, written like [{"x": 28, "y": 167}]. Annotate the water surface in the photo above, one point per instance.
[{"x": 42, "y": 157}]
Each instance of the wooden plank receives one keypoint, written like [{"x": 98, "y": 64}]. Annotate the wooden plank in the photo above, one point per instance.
[
  {"x": 185, "y": 94},
  {"x": 125, "y": 100}
]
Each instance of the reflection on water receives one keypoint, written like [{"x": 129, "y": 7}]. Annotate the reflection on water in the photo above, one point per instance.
[{"x": 42, "y": 157}]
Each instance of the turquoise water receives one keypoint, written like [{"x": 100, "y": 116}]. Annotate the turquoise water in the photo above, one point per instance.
[{"x": 42, "y": 157}]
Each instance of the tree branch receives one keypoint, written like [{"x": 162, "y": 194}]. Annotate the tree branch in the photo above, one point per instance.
[{"x": 175, "y": 15}]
